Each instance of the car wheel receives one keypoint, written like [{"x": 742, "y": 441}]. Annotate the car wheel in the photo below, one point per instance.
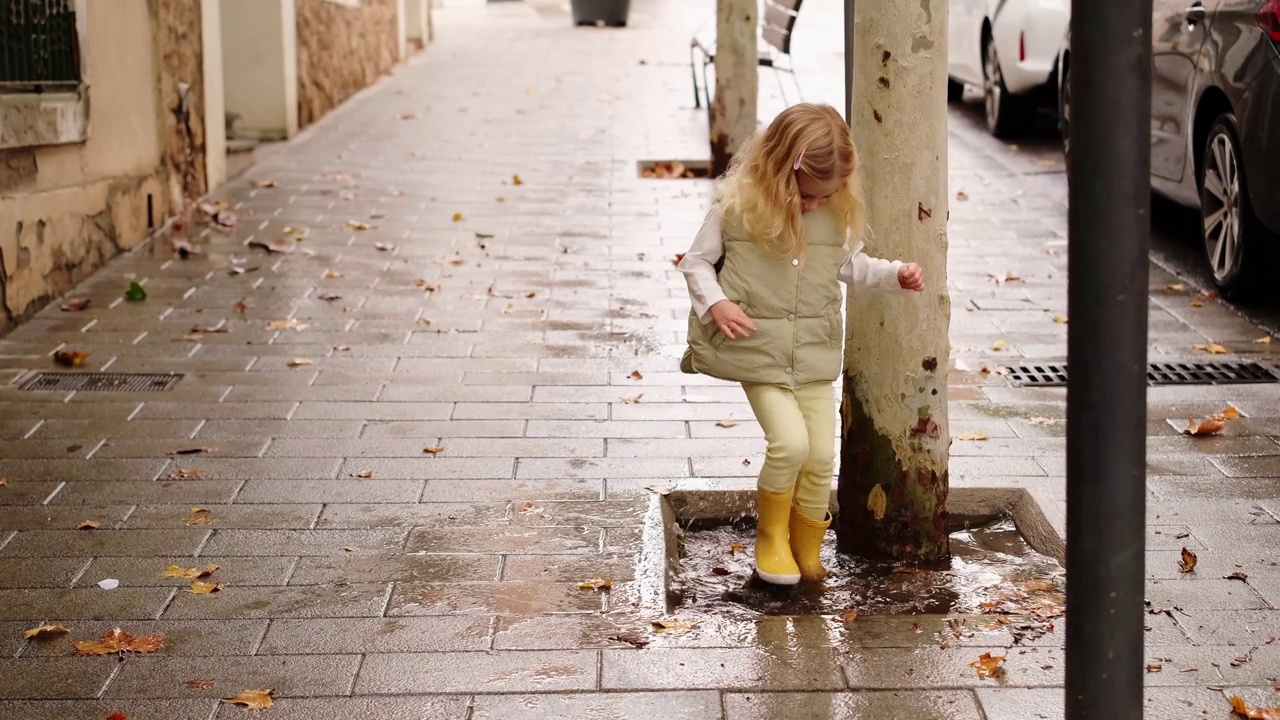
[
  {"x": 1235, "y": 242},
  {"x": 955, "y": 91},
  {"x": 1006, "y": 113}
]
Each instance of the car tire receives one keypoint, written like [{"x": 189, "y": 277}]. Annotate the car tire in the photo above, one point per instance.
[
  {"x": 1237, "y": 246},
  {"x": 1064, "y": 110},
  {"x": 1007, "y": 115},
  {"x": 955, "y": 91}
]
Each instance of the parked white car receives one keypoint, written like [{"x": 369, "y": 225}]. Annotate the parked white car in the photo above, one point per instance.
[{"x": 1009, "y": 48}]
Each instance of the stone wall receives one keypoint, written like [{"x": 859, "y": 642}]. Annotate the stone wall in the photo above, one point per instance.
[
  {"x": 176, "y": 25},
  {"x": 341, "y": 50},
  {"x": 66, "y": 209}
]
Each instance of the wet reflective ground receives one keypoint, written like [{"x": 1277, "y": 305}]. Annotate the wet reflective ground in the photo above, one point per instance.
[{"x": 992, "y": 570}]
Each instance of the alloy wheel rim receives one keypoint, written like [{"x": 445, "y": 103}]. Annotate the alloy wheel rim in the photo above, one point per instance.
[
  {"x": 991, "y": 84},
  {"x": 1221, "y": 206}
]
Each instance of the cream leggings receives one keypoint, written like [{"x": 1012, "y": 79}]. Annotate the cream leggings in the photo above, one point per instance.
[{"x": 800, "y": 427}]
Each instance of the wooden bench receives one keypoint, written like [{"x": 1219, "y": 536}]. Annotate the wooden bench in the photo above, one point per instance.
[{"x": 776, "y": 24}]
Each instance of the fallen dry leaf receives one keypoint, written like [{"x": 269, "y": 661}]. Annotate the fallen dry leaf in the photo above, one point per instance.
[
  {"x": 1230, "y": 413},
  {"x": 1239, "y": 707},
  {"x": 631, "y": 639},
  {"x": 1039, "y": 586},
  {"x": 239, "y": 307},
  {"x": 1196, "y": 303},
  {"x": 1154, "y": 667},
  {"x": 1209, "y": 425},
  {"x": 299, "y": 362},
  {"x": 1060, "y": 319},
  {"x": 118, "y": 641},
  {"x": 876, "y": 502},
  {"x": 1174, "y": 288},
  {"x": 1188, "y": 562},
  {"x": 280, "y": 246},
  {"x": 89, "y": 525},
  {"x": 45, "y": 630},
  {"x": 265, "y": 183},
  {"x": 365, "y": 474},
  {"x": 204, "y": 588},
  {"x": 433, "y": 450},
  {"x": 117, "y": 716},
  {"x": 331, "y": 275},
  {"x": 408, "y": 116},
  {"x": 633, "y": 400},
  {"x": 848, "y": 616},
  {"x": 1000, "y": 345},
  {"x": 71, "y": 358},
  {"x": 175, "y": 571},
  {"x": 252, "y": 699},
  {"x": 1211, "y": 348},
  {"x": 973, "y": 436},
  {"x": 287, "y": 324},
  {"x": 384, "y": 247},
  {"x": 457, "y": 217},
  {"x": 1264, "y": 340},
  {"x": 3, "y": 482},
  {"x": 635, "y": 375},
  {"x": 678, "y": 258},
  {"x": 672, "y": 626},
  {"x": 988, "y": 665},
  {"x": 962, "y": 195},
  {"x": 185, "y": 473},
  {"x": 735, "y": 547},
  {"x": 595, "y": 584},
  {"x": 328, "y": 297},
  {"x": 727, "y": 423},
  {"x": 80, "y": 304},
  {"x": 1237, "y": 575},
  {"x": 356, "y": 225},
  {"x": 515, "y": 180}
]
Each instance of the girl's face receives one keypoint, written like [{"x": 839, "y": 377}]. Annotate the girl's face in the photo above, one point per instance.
[{"x": 815, "y": 193}]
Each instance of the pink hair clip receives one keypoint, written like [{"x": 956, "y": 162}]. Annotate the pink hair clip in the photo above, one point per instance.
[{"x": 799, "y": 159}]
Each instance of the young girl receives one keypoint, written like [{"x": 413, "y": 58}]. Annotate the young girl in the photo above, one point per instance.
[{"x": 764, "y": 278}]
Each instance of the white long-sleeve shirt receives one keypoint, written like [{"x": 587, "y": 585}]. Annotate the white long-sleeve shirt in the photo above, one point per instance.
[{"x": 698, "y": 266}]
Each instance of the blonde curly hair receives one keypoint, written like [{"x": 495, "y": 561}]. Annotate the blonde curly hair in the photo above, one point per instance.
[{"x": 760, "y": 190}]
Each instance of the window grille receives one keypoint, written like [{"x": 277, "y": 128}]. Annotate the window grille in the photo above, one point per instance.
[{"x": 39, "y": 47}]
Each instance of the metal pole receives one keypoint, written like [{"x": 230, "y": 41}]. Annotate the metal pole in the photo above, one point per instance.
[
  {"x": 1109, "y": 239},
  {"x": 848, "y": 61}
]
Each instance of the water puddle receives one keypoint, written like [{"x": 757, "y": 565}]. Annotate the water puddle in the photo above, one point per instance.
[{"x": 992, "y": 571}]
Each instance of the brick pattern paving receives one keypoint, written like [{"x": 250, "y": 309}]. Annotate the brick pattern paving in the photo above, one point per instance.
[{"x": 503, "y": 321}]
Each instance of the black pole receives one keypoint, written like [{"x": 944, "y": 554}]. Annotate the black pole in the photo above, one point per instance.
[
  {"x": 848, "y": 62},
  {"x": 1109, "y": 240}
]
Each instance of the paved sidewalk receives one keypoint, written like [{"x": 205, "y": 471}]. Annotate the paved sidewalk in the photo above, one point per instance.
[{"x": 528, "y": 334}]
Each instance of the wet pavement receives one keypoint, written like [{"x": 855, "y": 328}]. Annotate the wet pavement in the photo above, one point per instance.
[{"x": 406, "y": 446}]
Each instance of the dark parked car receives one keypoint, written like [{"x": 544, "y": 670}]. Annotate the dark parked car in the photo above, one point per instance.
[{"x": 1215, "y": 128}]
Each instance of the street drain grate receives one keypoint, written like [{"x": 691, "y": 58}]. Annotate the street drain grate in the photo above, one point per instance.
[
  {"x": 102, "y": 382},
  {"x": 1221, "y": 373},
  {"x": 673, "y": 169}
]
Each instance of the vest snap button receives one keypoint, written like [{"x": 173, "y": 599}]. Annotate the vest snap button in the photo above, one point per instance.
[
  {"x": 791, "y": 317},
  {"x": 788, "y": 371},
  {"x": 795, "y": 261}
]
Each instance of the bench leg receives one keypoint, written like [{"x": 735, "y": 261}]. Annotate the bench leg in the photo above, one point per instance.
[
  {"x": 693, "y": 70},
  {"x": 777, "y": 75},
  {"x": 706, "y": 85}
]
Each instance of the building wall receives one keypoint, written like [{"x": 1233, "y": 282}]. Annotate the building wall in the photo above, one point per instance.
[
  {"x": 343, "y": 47},
  {"x": 66, "y": 209}
]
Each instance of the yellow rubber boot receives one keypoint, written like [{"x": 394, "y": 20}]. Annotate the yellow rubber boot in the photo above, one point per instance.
[
  {"x": 774, "y": 563},
  {"x": 806, "y": 542}
]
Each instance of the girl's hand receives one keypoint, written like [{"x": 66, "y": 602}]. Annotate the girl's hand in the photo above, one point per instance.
[
  {"x": 731, "y": 320},
  {"x": 911, "y": 277}
]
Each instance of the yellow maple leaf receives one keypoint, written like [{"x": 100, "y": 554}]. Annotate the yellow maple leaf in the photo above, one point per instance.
[
  {"x": 876, "y": 502},
  {"x": 973, "y": 436},
  {"x": 118, "y": 641},
  {"x": 988, "y": 665},
  {"x": 204, "y": 588},
  {"x": 51, "y": 629}
]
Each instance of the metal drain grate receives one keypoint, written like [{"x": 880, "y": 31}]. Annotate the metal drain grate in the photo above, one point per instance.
[
  {"x": 1047, "y": 375},
  {"x": 102, "y": 382},
  {"x": 1237, "y": 373},
  {"x": 1222, "y": 373}
]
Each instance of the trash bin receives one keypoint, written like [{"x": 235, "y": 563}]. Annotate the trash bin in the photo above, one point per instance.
[{"x": 601, "y": 12}]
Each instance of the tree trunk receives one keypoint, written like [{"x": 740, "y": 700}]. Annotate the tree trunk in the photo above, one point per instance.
[
  {"x": 894, "y": 437},
  {"x": 733, "y": 110}
]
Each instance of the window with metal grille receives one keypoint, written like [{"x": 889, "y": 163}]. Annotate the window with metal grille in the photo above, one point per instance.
[{"x": 39, "y": 48}]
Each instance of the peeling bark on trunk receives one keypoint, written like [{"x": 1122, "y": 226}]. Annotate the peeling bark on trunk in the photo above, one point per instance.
[
  {"x": 733, "y": 109},
  {"x": 894, "y": 436}
]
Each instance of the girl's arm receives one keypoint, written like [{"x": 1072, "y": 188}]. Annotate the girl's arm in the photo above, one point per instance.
[
  {"x": 698, "y": 266},
  {"x": 862, "y": 270}
]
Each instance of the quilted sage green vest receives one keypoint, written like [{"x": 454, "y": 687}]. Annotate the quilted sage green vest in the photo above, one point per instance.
[{"x": 794, "y": 302}]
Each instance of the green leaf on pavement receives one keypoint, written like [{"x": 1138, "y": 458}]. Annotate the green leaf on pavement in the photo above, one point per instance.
[{"x": 135, "y": 292}]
